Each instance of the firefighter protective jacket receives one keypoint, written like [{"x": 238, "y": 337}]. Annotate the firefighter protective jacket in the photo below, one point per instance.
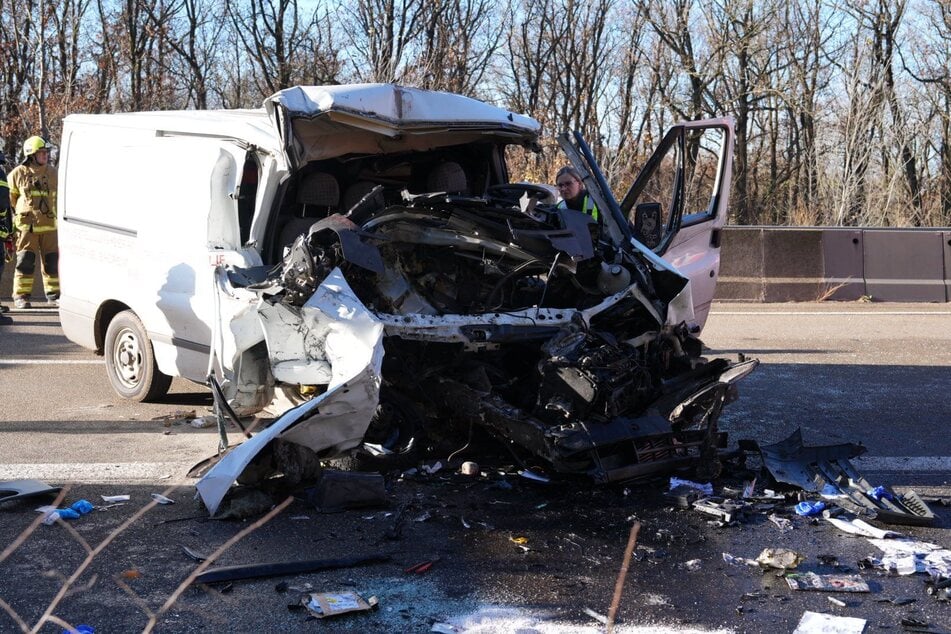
[{"x": 33, "y": 189}]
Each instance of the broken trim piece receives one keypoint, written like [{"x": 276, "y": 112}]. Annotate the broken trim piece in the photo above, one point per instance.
[
  {"x": 812, "y": 468},
  {"x": 354, "y": 349}
]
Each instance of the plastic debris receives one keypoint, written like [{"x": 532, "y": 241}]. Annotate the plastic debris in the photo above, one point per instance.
[
  {"x": 879, "y": 493},
  {"x": 939, "y": 588},
  {"x": 819, "y": 623},
  {"x": 838, "y": 602},
  {"x": 324, "y": 604},
  {"x": 115, "y": 498},
  {"x": 444, "y": 628},
  {"x": 520, "y": 542},
  {"x": 197, "y": 556},
  {"x": 739, "y": 561},
  {"x": 421, "y": 567},
  {"x": 693, "y": 565},
  {"x": 18, "y": 489},
  {"x": 808, "y": 509},
  {"x": 706, "y": 489},
  {"x": 203, "y": 422},
  {"x": 161, "y": 499},
  {"x": 469, "y": 468},
  {"x": 81, "y": 629},
  {"x": 595, "y": 615},
  {"x": 826, "y": 583},
  {"x": 782, "y": 523},
  {"x": 726, "y": 510},
  {"x": 340, "y": 490},
  {"x": 528, "y": 474},
  {"x": 779, "y": 558},
  {"x": 430, "y": 469},
  {"x": 73, "y": 512}
]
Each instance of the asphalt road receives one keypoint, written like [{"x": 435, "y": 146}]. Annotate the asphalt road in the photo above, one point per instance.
[{"x": 878, "y": 374}]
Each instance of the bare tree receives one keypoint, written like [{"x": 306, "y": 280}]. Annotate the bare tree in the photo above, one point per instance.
[
  {"x": 382, "y": 34},
  {"x": 458, "y": 40},
  {"x": 272, "y": 35}
]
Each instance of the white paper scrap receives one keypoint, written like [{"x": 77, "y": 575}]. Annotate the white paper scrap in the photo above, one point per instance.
[
  {"x": 818, "y": 623},
  {"x": 862, "y": 528},
  {"x": 115, "y": 498}
]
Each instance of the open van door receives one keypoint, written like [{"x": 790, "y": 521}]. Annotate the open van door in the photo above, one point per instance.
[{"x": 679, "y": 201}]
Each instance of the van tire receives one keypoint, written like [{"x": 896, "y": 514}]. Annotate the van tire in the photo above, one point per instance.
[{"x": 130, "y": 360}]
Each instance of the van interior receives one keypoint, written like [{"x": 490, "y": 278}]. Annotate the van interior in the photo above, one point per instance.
[{"x": 364, "y": 183}]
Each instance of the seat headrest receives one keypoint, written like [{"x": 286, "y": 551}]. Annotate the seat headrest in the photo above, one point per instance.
[
  {"x": 447, "y": 177},
  {"x": 320, "y": 189}
]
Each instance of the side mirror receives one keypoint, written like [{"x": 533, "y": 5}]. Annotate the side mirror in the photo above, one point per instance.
[{"x": 647, "y": 224}]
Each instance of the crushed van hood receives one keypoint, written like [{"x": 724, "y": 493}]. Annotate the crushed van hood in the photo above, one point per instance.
[{"x": 318, "y": 122}]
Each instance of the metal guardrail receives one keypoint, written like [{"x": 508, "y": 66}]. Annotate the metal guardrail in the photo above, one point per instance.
[{"x": 782, "y": 264}]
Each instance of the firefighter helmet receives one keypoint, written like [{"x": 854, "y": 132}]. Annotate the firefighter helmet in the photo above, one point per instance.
[{"x": 32, "y": 145}]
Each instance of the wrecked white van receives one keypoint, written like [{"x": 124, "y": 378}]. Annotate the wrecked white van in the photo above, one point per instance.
[{"x": 357, "y": 256}]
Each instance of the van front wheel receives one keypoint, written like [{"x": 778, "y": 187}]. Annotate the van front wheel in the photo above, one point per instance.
[{"x": 130, "y": 361}]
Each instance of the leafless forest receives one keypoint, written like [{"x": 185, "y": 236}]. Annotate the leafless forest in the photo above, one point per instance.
[{"x": 842, "y": 109}]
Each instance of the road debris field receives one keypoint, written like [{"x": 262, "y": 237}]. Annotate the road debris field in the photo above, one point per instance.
[{"x": 494, "y": 549}]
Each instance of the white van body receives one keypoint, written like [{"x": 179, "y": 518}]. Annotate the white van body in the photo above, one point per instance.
[
  {"x": 268, "y": 252},
  {"x": 148, "y": 210}
]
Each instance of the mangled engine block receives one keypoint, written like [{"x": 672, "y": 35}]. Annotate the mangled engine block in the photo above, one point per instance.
[{"x": 519, "y": 318}]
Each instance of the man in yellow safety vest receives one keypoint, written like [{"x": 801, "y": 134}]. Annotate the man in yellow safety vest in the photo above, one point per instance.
[{"x": 33, "y": 197}]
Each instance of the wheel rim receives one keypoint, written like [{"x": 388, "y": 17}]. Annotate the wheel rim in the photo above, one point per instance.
[{"x": 127, "y": 358}]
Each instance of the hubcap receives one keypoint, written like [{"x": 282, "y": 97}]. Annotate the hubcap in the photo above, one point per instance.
[{"x": 127, "y": 358}]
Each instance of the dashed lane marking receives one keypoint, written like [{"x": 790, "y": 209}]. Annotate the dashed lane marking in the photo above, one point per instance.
[
  {"x": 100, "y": 472},
  {"x": 918, "y": 464},
  {"x": 788, "y": 313}
]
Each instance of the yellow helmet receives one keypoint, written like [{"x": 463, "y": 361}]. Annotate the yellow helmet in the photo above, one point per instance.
[{"x": 32, "y": 145}]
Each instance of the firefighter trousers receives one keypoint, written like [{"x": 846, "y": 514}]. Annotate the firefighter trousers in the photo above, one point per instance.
[{"x": 32, "y": 245}]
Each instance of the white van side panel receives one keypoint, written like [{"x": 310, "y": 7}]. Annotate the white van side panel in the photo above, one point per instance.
[{"x": 145, "y": 219}]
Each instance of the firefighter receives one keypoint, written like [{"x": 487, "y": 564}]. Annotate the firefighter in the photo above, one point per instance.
[
  {"x": 6, "y": 228},
  {"x": 573, "y": 192},
  {"x": 33, "y": 197}
]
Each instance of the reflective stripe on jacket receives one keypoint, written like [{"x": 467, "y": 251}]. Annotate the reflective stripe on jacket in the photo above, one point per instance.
[{"x": 587, "y": 207}]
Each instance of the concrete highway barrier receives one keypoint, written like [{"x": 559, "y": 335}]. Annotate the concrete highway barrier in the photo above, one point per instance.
[{"x": 784, "y": 264}]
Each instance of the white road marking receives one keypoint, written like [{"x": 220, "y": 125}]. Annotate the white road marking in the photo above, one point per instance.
[
  {"x": 100, "y": 473},
  {"x": 51, "y": 361},
  {"x": 918, "y": 464},
  {"x": 790, "y": 313}
]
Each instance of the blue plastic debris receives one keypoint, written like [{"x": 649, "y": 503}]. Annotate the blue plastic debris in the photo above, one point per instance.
[
  {"x": 74, "y": 512},
  {"x": 808, "y": 509},
  {"x": 878, "y": 493}
]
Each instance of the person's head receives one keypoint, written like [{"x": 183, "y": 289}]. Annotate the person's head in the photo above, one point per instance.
[
  {"x": 569, "y": 184},
  {"x": 36, "y": 150}
]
